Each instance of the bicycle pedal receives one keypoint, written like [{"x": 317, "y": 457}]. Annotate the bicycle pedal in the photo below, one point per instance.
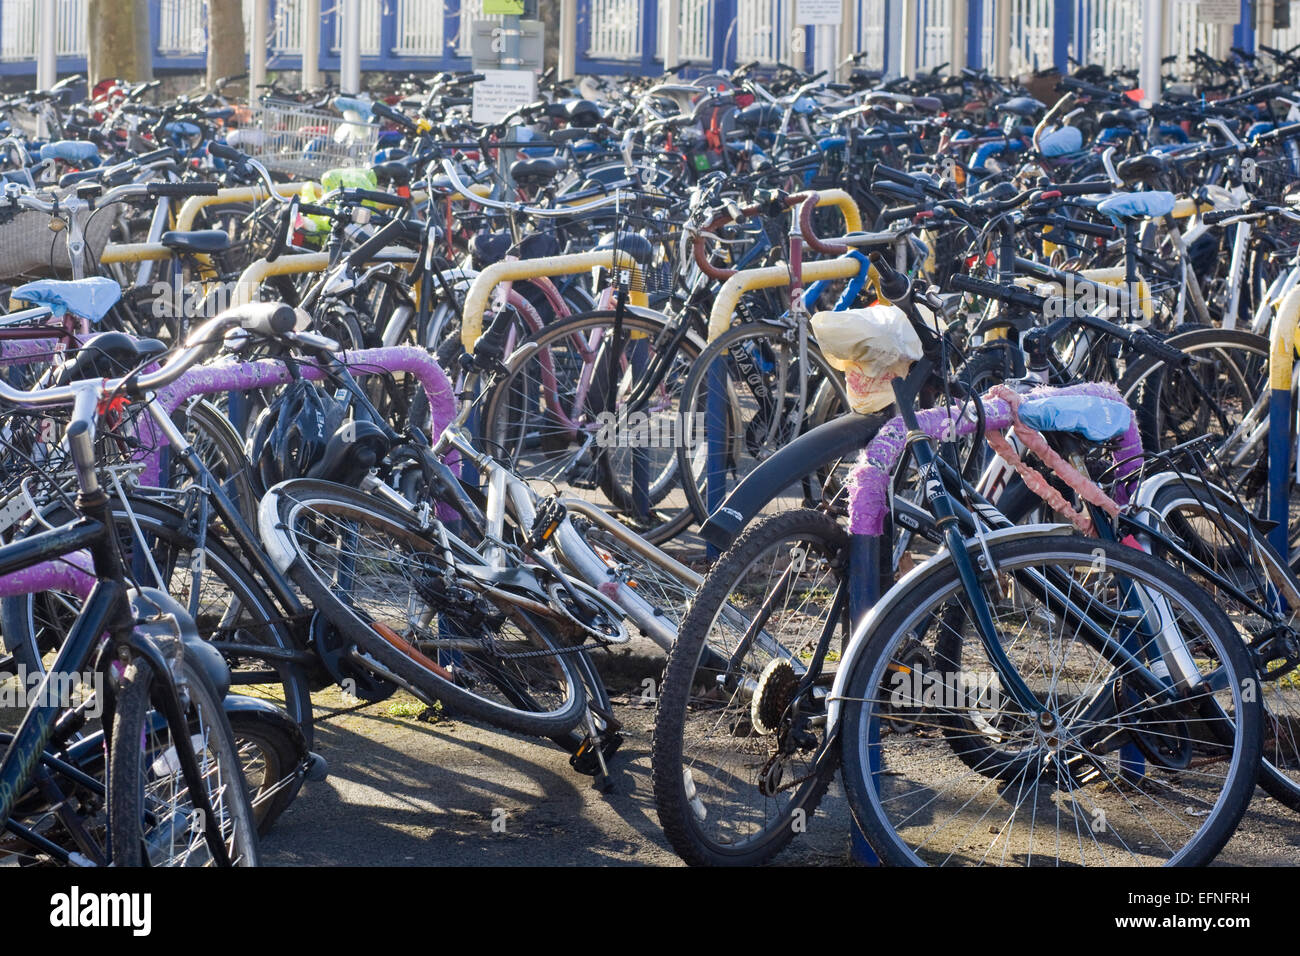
[
  {"x": 550, "y": 512},
  {"x": 587, "y": 761}
]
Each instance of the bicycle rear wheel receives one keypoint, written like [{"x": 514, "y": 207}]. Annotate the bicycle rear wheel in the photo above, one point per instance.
[
  {"x": 741, "y": 402},
  {"x": 1251, "y": 582},
  {"x": 562, "y": 415},
  {"x": 736, "y": 749},
  {"x": 382, "y": 580}
]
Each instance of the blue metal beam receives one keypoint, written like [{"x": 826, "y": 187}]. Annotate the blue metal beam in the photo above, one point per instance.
[
  {"x": 1062, "y": 33},
  {"x": 975, "y": 34}
]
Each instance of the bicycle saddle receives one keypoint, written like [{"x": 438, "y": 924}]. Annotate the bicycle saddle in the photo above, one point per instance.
[
  {"x": 392, "y": 174},
  {"x": 485, "y": 248},
  {"x": 108, "y": 355},
  {"x": 573, "y": 134},
  {"x": 1128, "y": 119},
  {"x": 1021, "y": 106},
  {"x": 1093, "y": 418},
  {"x": 71, "y": 151},
  {"x": 535, "y": 172},
  {"x": 1133, "y": 206},
  {"x": 1061, "y": 142},
  {"x": 582, "y": 113},
  {"x": 196, "y": 240},
  {"x": 90, "y": 298},
  {"x": 758, "y": 116},
  {"x": 1149, "y": 169}
]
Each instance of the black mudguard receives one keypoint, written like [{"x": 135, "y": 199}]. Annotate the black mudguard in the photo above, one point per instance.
[{"x": 814, "y": 449}]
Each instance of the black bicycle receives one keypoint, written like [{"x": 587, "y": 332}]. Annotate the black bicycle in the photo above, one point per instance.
[{"x": 160, "y": 783}]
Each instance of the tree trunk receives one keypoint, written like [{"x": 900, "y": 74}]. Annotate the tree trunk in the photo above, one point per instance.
[
  {"x": 225, "y": 40},
  {"x": 119, "y": 41}
]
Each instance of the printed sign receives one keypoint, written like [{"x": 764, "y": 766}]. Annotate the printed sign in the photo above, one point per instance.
[
  {"x": 503, "y": 8},
  {"x": 1219, "y": 11},
  {"x": 818, "y": 13},
  {"x": 501, "y": 91}
]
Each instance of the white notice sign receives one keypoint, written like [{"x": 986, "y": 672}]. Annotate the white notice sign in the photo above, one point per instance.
[
  {"x": 502, "y": 91},
  {"x": 1219, "y": 11},
  {"x": 818, "y": 13}
]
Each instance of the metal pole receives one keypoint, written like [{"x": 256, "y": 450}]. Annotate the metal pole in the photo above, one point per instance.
[
  {"x": 910, "y": 13},
  {"x": 672, "y": 32},
  {"x": 848, "y": 37},
  {"x": 1264, "y": 24},
  {"x": 1153, "y": 49},
  {"x": 1002, "y": 39},
  {"x": 568, "y": 64},
  {"x": 350, "y": 47},
  {"x": 310, "y": 26},
  {"x": 257, "y": 43},
  {"x": 958, "y": 15},
  {"x": 47, "y": 63}
]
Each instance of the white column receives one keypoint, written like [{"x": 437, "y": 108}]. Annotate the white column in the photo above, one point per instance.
[
  {"x": 350, "y": 46},
  {"x": 1153, "y": 47},
  {"x": 47, "y": 63},
  {"x": 848, "y": 37},
  {"x": 672, "y": 32},
  {"x": 310, "y": 13},
  {"x": 908, "y": 29},
  {"x": 1263, "y": 23},
  {"x": 1002, "y": 38},
  {"x": 257, "y": 43},
  {"x": 568, "y": 65},
  {"x": 958, "y": 14}
]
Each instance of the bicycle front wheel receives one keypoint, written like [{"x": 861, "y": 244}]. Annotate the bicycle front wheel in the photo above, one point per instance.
[
  {"x": 153, "y": 817},
  {"x": 943, "y": 765}
]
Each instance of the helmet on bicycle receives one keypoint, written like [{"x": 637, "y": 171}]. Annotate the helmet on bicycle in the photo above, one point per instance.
[
  {"x": 291, "y": 434},
  {"x": 304, "y": 434}
]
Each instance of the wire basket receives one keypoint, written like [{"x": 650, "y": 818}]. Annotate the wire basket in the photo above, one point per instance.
[
  {"x": 301, "y": 141},
  {"x": 29, "y": 247},
  {"x": 1273, "y": 176}
]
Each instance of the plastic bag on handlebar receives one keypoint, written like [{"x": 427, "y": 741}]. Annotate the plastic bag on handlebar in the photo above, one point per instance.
[{"x": 870, "y": 346}]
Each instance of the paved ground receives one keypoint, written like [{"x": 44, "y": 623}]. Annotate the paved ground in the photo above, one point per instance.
[{"x": 405, "y": 792}]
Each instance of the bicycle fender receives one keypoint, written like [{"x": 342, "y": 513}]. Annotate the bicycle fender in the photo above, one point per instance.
[{"x": 813, "y": 449}]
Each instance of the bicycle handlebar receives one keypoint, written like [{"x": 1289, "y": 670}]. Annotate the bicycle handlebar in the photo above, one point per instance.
[{"x": 266, "y": 318}]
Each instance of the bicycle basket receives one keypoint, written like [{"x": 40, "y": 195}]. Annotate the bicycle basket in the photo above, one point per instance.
[
  {"x": 29, "y": 247},
  {"x": 301, "y": 141}
]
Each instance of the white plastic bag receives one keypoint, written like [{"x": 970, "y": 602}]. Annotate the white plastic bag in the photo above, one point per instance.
[{"x": 871, "y": 347}]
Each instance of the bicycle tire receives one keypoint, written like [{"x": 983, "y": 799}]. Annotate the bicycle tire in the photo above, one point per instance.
[
  {"x": 693, "y": 781},
  {"x": 287, "y": 512},
  {"x": 134, "y": 844},
  {"x": 31, "y": 626},
  {"x": 1280, "y": 766},
  {"x": 510, "y": 427},
  {"x": 757, "y": 437},
  {"x": 869, "y": 763}
]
